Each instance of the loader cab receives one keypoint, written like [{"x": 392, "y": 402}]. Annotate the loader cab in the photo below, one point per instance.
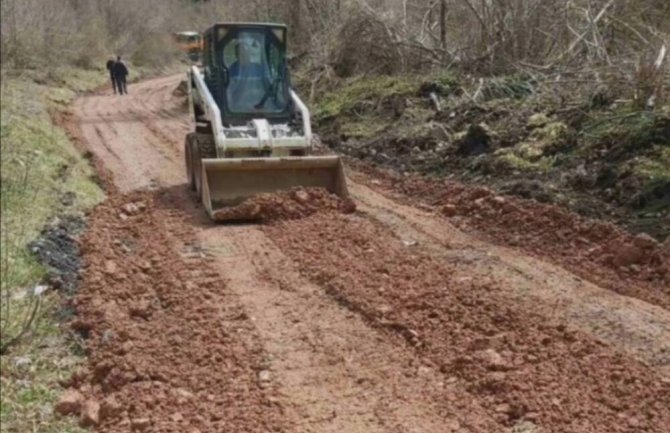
[{"x": 245, "y": 70}]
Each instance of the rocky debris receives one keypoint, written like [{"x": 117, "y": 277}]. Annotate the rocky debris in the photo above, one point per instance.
[
  {"x": 110, "y": 267},
  {"x": 625, "y": 254},
  {"x": 597, "y": 251},
  {"x": 264, "y": 378},
  {"x": 449, "y": 210},
  {"x": 645, "y": 242},
  {"x": 492, "y": 360},
  {"x": 666, "y": 247},
  {"x": 526, "y": 427},
  {"x": 154, "y": 346},
  {"x": 69, "y": 403},
  {"x": 140, "y": 424},
  {"x": 141, "y": 309},
  {"x": 90, "y": 414},
  {"x": 131, "y": 209},
  {"x": 110, "y": 408},
  {"x": 291, "y": 204},
  {"x": 510, "y": 358}
]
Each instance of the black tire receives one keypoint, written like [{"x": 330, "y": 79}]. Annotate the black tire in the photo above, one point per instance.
[
  {"x": 188, "y": 159},
  {"x": 203, "y": 147}
]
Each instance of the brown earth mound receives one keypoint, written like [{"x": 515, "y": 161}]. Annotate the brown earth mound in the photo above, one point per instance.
[
  {"x": 524, "y": 368},
  {"x": 601, "y": 252},
  {"x": 292, "y": 204},
  {"x": 170, "y": 348}
]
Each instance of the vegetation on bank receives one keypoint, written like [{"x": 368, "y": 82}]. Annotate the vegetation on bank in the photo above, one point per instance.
[
  {"x": 523, "y": 134},
  {"x": 43, "y": 176}
]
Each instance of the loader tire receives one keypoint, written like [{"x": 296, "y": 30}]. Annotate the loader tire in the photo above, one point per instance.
[
  {"x": 203, "y": 147},
  {"x": 188, "y": 157}
]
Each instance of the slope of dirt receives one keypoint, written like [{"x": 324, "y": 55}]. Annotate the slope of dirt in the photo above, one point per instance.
[
  {"x": 169, "y": 347},
  {"x": 635, "y": 266},
  {"x": 520, "y": 365}
]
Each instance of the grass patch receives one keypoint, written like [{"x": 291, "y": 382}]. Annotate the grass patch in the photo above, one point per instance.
[
  {"x": 515, "y": 162},
  {"x": 365, "y": 127},
  {"x": 627, "y": 132},
  {"x": 30, "y": 377},
  {"x": 656, "y": 167},
  {"x": 356, "y": 93},
  {"x": 40, "y": 168}
]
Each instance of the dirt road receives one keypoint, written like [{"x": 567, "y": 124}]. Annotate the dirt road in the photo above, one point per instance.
[{"x": 390, "y": 319}]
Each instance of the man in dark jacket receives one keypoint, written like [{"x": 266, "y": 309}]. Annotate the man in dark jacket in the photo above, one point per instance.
[
  {"x": 110, "y": 66},
  {"x": 120, "y": 73}
]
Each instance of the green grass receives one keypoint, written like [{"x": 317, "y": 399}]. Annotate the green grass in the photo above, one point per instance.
[
  {"x": 365, "y": 127},
  {"x": 39, "y": 165},
  {"x": 632, "y": 131},
  {"x": 346, "y": 99},
  {"x": 30, "y": 389},
  {"x": 514, "y": 161},
  {"x": 655, "y": 167},
  {"x": 360, "y": 90}
]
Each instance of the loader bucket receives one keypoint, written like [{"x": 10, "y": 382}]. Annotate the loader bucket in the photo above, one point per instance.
[{"x": 227, "y": 182}]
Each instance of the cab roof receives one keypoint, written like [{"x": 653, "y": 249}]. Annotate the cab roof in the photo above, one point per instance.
[{"x": 246, "y": 24}]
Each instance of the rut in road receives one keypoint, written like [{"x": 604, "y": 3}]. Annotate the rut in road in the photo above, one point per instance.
[{"x": 389, "y": 319}]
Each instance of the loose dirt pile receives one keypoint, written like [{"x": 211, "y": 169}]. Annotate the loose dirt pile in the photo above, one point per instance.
[
  {"x": 600, "y": 252},
  {"x": 292, "y": 204},
  {"x": 525, "y": 369},
  {"x": 170, "y": 348}
]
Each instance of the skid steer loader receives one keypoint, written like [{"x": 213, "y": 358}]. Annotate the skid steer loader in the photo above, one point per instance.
[{"x": 252, "y": 132}]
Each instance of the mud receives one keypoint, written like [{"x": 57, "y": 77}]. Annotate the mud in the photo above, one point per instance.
[
  {"x": 295, "y": 203},
  {"x": 57, "y": 249},
  {"x": 519, "y": 365},
  {"x": 597, "y": 251},
  {"x": 170, "y": 349}
]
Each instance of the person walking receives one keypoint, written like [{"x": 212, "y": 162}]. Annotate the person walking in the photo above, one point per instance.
[
  {"x": 120, "y": 73},
  {"x": 110, "y": 68}
]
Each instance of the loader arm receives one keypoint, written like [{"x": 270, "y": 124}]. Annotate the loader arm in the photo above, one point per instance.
[{"x": 202, "y": 96}]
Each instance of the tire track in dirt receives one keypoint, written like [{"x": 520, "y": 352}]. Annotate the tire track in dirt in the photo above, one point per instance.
[
  {"x": 142, "y": 159},
  {"x": 596, "y": 251},
  {"x": 521, "y": 365},
  {"x": 639, "y": 328},
  {"x": 334, "y": 372}
]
